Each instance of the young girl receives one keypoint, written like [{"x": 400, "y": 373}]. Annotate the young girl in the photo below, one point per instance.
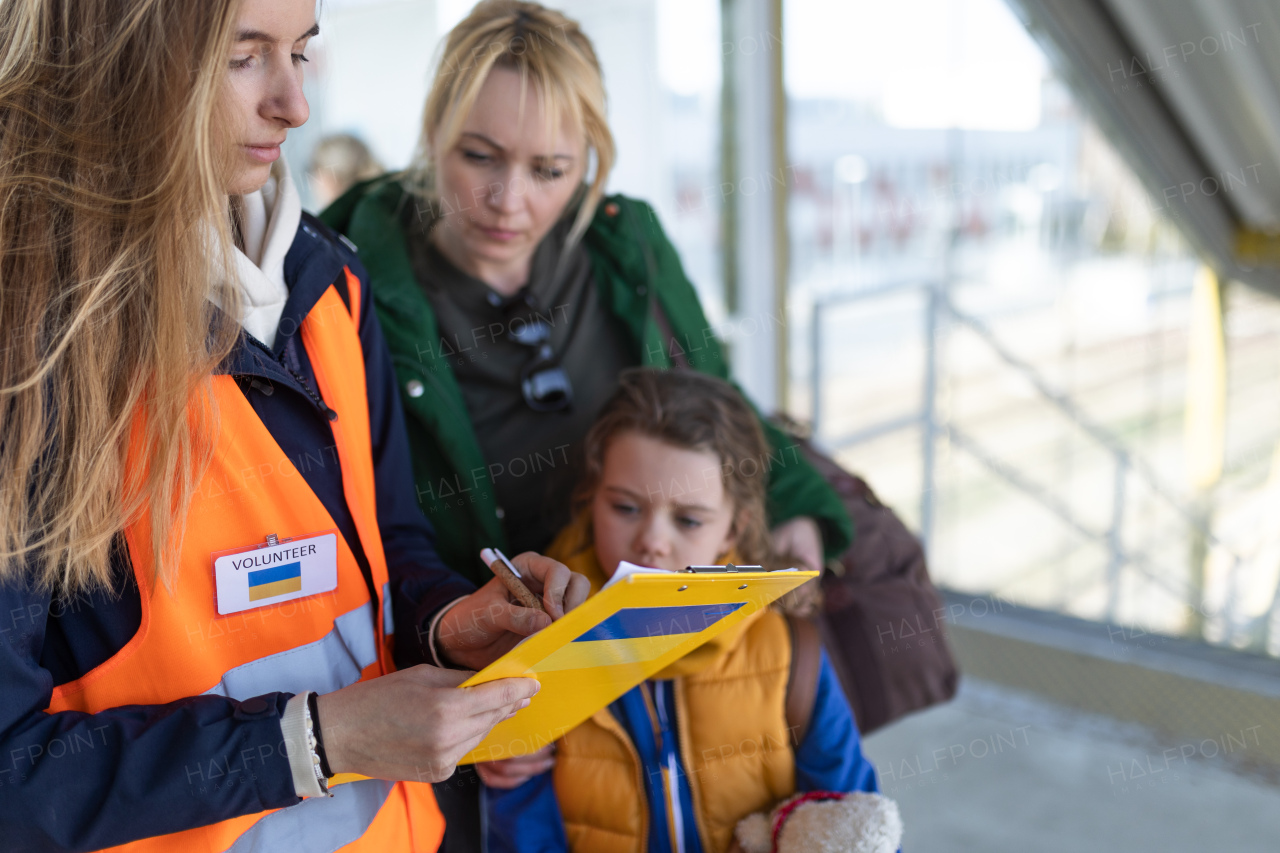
[{"x": 675, "y": 475}]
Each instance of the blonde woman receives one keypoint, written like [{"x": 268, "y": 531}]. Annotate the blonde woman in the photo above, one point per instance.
[
  {"x": 513, "y": 293},
  {"x": 211, "y": 558}
]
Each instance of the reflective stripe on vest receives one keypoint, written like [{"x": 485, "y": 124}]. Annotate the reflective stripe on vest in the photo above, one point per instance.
[
  {"x": 323, "y": 642},
  {"x": 318, "y": 823},
  {"x": 335, "y": 661},
  {"x": 332, "y": 662}
]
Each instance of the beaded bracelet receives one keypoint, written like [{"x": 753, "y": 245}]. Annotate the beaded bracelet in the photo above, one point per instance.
[{"x": 319, "y": 762}]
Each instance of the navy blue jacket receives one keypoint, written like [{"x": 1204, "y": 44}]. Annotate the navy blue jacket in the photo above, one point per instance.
[{"x": 74, "y": 781}]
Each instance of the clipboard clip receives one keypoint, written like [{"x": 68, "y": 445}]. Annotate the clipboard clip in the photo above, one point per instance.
[{"x": 727, "y": 568}]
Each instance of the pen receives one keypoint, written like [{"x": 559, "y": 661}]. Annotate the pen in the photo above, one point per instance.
[{"x": 510, "y": 577}]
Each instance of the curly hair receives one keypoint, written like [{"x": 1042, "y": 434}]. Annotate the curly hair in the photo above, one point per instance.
[{"x": 693, "y": 411}]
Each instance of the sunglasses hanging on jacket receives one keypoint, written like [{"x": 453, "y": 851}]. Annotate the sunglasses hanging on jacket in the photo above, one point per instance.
[{"x": 543, "y": 382}]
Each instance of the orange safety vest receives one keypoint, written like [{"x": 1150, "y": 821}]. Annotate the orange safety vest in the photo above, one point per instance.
[{"x": 322, "y": 642}]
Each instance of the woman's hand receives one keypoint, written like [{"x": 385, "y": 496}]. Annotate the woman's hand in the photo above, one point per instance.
[
  {"x": 487, "y": 624},
  {"x": 801, "y": 539},
  {"x": 414, "y": 725},
  {"x": 514, "y": 772}
]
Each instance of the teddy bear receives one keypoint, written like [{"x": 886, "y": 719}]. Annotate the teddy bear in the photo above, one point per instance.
[{"x": 824, "y": 822}]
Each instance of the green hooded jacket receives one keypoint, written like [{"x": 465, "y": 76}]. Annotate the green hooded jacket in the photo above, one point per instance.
[{"x": 633, "y": 262}]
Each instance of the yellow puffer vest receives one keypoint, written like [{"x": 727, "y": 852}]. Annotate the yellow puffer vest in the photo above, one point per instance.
[{"x": 734, "y": 740}]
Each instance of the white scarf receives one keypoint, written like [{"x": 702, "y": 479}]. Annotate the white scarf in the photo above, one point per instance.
[{"x": 269, "y": 221}]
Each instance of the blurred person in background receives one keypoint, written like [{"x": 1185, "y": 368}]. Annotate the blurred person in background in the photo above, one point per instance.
[
  {"x": 338, "y": 162},
  {"x": 513, "y": 293}
]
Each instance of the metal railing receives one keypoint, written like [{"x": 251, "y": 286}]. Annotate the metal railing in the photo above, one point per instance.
[{"x": 941, "y": 316}]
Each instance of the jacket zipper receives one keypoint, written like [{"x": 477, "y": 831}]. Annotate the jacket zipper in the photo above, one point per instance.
[
  {"x": 329, "y": 413},
  {"x": 678, "y": 690},
  {"x": 606, "y": 720},
  {"x": 672, "y": 762}
]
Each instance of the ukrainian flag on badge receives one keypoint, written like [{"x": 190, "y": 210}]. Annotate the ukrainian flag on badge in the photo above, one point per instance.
[{"x": 277, "y": 580}]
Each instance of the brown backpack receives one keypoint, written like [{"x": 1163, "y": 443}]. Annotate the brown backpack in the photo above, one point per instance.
[{"x": 881, "y": 619}]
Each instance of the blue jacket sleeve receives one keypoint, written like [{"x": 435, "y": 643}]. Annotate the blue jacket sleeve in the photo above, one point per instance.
[
  {"x": 75, "y": 781},
  {"x": 522, "y": 820},
  {"x": 830, "y": 756},
  {"x": 421, "y": 584}
]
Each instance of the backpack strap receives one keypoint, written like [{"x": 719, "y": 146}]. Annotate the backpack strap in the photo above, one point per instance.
[{"x": 802, "y": 683}]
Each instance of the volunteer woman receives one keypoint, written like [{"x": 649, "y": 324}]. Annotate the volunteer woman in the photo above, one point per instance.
[
  {"x": 210, "y": 544},
  {"x": 512, "y": 297}
]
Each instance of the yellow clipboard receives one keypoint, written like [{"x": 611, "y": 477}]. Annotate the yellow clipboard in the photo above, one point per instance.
[{"x": 615, "y": 640}]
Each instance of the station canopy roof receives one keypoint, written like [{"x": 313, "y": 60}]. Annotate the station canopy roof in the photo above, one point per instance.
[{"x": 1189, "y": 92}]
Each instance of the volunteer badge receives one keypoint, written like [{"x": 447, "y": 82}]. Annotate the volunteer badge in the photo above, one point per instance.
[{"x": 278, "y": 571}]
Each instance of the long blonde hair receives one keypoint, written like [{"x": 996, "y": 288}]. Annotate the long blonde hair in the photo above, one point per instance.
[
  {"x": 113, "y": 224},
  {"x": 546, "y": 48}
]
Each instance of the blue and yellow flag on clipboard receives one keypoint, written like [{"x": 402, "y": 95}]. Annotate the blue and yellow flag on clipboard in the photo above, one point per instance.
[{"x": 619, "y": 637}]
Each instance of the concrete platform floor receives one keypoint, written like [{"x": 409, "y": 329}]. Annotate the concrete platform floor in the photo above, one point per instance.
[{"x": 998, "y": 770}]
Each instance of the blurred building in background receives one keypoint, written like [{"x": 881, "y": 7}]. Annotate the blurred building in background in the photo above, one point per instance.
[{"x": 972, "y": 266}]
